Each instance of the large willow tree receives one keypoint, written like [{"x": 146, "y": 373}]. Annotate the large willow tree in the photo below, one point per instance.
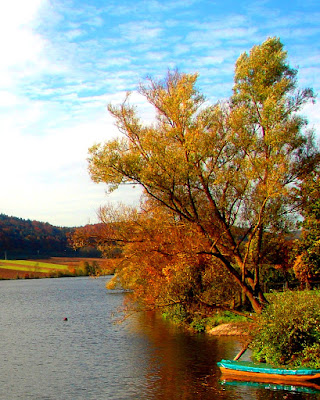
[{"x": 228, "y": 169}]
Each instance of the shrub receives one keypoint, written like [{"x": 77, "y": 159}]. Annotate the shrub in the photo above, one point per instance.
[
  {"x": 288, "y": 330},
  {"x": 198, "y": 324},
  {"x": 177, "y": 314}
]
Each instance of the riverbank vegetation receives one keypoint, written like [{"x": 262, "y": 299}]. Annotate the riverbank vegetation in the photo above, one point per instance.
[
  {"x": 224, "y": 188},
  {"x": 288, "y": 330}
]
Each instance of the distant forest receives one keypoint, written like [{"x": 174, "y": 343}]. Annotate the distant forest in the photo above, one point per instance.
[{"x": 20, "y": 238}]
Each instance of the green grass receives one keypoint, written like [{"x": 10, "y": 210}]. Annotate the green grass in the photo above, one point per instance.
[{"x": 32, "y": 266}]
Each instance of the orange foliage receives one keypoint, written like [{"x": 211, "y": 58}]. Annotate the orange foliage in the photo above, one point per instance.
[{"x": 165, "y": 262}]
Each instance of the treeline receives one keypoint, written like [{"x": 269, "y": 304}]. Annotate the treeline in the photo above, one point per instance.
[{"x": 20, "y": 238}]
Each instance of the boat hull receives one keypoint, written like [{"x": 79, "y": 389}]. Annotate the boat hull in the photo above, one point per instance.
[{"x": 251, "y": 371}]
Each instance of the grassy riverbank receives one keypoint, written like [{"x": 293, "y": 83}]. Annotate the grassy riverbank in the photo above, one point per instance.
[{"x": 287, "y": 332}]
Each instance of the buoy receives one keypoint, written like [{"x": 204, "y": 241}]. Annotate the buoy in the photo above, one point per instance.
[{"x": 65, "y": 319}]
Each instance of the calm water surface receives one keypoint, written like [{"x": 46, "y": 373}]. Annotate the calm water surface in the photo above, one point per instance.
[{"x": 91, "y": 357}]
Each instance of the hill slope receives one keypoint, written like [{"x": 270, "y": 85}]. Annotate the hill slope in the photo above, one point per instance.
[{"x": 23, "y": 238}]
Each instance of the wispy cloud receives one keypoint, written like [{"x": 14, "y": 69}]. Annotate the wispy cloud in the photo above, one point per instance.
[{"x": 139, "y": 31}]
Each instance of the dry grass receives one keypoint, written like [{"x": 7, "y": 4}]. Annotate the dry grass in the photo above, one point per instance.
[{"x": 231, "y": 329}]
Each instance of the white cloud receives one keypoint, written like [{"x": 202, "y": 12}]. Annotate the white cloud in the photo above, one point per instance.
[
  {"x": 8, "y": 99},
  {"x": 47, "y": 175},
  {"x": 20, "y": 46},
  {"x": 15, "y": 13}
]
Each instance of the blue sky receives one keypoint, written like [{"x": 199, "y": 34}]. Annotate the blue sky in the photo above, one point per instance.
[{"x": 63, "y": 61}]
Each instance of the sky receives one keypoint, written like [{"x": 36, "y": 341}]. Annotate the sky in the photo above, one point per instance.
[{"x": 63, "y": 61}]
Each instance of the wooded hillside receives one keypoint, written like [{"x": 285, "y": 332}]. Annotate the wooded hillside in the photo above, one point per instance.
[{"x": 23, "y": 238}]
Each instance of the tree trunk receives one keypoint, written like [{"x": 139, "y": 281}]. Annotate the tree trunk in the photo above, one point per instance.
[{"x": 246, "y": 290}]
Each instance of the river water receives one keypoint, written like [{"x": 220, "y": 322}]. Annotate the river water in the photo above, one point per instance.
[{"x": 89, "y": 356}]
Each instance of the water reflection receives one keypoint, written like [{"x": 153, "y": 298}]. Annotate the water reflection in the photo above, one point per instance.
[
  {"x": 307, "y": 388},
  {"x": 182, "y": 365}
]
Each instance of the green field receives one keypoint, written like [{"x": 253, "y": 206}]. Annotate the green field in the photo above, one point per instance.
[{"x": 31, "y": 266}]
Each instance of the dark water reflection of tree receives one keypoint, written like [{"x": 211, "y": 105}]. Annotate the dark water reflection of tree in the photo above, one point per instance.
[{"x": 182, "y": 365}]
